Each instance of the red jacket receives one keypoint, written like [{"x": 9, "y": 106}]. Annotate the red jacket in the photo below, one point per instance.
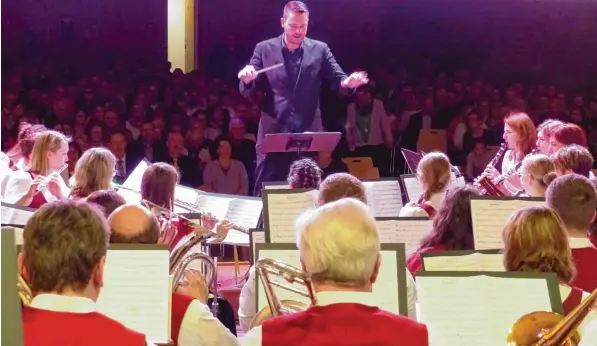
[
  {"x": 585, "y": 260},
  {"x": 180, "y": 304},
  {"x": 51, "y": 328},
  {"x": 346, "y": 324}
]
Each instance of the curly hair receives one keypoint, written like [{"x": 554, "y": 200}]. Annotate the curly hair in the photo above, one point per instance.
[
  {"x": 304, "y": 173},
  {"x": 25, "y": 141},
  {"x": 453, "y": 224}
]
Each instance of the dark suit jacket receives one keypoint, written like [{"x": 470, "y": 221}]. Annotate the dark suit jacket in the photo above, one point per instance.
[{"x": 293, "y": 107}]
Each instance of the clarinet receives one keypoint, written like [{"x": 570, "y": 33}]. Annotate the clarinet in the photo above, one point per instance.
[
  {"x": 502, "y": 178},
  {"x": 482, "y": 183}
]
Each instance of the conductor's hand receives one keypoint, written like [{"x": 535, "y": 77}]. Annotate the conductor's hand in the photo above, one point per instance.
[
  {"x": 247, "y": 74},
  {"x": 355, "y": 80},
  {"x": 194, "y": 285}
]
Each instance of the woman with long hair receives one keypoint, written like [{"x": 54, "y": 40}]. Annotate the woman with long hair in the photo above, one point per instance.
[
  {"x": 434, "y": 173},
  {"x": 544, "y": 131},
  {"x": 536, "y": 173},
  {"x": 41, "y": 182},
  {"x": 452, "y": 227},
  {"x": 304, "y": 174},
  {"x": 94, "y": 171},
  {"x": 565, "y": 135},
  {"x": 535, "y": 240}
]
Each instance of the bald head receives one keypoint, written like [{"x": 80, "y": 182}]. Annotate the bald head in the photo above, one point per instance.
[{"x": 133, "y": 223}]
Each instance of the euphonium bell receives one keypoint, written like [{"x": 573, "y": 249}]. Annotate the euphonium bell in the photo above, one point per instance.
[
  {"x": 183, "y": 254},
  {"x": 542, "y": 328},
  {"x": 266, "y": 266}
]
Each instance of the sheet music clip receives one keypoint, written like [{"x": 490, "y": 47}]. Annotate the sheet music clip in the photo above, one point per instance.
[{"x": 299, "y": 142}]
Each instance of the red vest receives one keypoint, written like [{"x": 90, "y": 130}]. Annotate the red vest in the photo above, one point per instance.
[
  {"x": 414, "y": 262},
  {"x": 585, "y": 260},
  {"x": 51, "y": 328},
  {"x": 346, "y": 324},
  {"x": 180, "y": 304},
  {"x": 183, "y": 229},
  {"x": 38, "y": 198},
  {"x": 428, "y": 208},
  {"x": 572, "y": 301}
]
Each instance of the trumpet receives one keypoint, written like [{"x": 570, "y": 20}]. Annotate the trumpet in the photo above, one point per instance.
[
  {"x": 266, "y": 266},
  {"x": 542, "y": 328},
  {"x": 47, "y": 180}
]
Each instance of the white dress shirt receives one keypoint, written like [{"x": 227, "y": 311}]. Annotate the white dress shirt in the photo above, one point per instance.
[
  {"x": 589, "y": 337},
  {"x": 411, "y": 210},
  {"x": 247, "y": 308},
  {"x": 200, "y": 327},
  {"x": 58, "y": 303},
  {"x": 18, "y": 185},
  {"x": 253, "y": 337}
]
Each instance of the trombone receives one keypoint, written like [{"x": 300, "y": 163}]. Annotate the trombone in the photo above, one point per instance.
[{"x": 276, "y": 307}]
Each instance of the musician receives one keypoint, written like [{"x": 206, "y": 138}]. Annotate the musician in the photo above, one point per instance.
[
  {"x": 339, "y": 249},
  {"x": 520, "y": 137},
  {"x": 574, "y": 198},
  {"x": 304, "y": 174},
  {"x": 108, "y": 200},
  {"x": 20, "y": 154},
  {"x": 192, "y": 323},
  {"x": 535, "y": 241},
  {"x": 452, "y": 227},
  {"x": 544, "y": 131},
  {"x": 292, "y": 91},
  {"x": 66, "y": 273},
  {"x": 565, "y": 135},
  {"x": 49, "y": 155},
  {"x": 573, "y": 159},
  {"x": 536, "y": 173},
  {"x": 433, "y": 172},
  {"x": 333, "y": 188},
  {"x": 94, "y": 171}
]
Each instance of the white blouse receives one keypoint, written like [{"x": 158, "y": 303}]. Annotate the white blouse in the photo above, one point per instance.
[{"x": 412, "y": 210}]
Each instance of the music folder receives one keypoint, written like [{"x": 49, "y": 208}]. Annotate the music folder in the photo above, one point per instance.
[
  {"x": 389, "y": 290},
  {"x": 256, "y": 236},
  {"x": 11, "y": 315},
  {"x": 463, "y": 260}
]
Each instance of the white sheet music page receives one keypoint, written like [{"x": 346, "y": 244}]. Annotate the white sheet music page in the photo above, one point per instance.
[
  {"x": 129, "y": 196},
  {"x": 384, "y": 197},
  {"x": 414, "y": 190},
  {"x": 476, "y": 310},
  {"x": 385, "y": 288},
  {"x": 244, "y": 212},
  {"x": 136, "y": 291},
  {"x": 276, "y": 187},
  {"x": 456, "y": 181},
  {"x": 14, "y": 216},
  {"x": 489, "y": 218},
  {"x": 290, "y": 257},
  {"x": 473, "y": 262},
  {"x": 216, "y": 205},
  {"x": 283, "y": 210},
  {"x": 409, "y": 232},
  {"x": 134, "y": 179},
  {"x": 235, "y": 237},
  {"x": 257, "y": 238},
  {"x": 185, "y": 195}
]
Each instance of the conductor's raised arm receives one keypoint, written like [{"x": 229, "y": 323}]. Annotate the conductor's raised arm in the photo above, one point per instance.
[
  {"x": 248, "y": 74},
  {"x": 332, "y": 71}
]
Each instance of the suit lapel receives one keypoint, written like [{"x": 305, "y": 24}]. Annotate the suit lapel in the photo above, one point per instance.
[{"x": 307, "y": 47}]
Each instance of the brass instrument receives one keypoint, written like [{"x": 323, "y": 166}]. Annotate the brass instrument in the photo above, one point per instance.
[
  {"x": 24, "y": 290},
  {"x": 483, "y": 183},
  {"x": 542, "y": 328},
  {"x": 266, "y": 266}
]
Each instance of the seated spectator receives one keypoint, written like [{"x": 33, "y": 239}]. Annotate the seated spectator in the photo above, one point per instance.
[{"x": 225, "y": 175}]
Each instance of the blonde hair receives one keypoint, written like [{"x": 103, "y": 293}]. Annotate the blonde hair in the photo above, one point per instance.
[
  {"x": 539, "y": 167},
  {"x": 94, "y": 171},
  {"x": 535, "y": 240},
  {"x": 523, "y": 125},
  {"x": 339, "y": 243},
  {"x": 434, "y": 173},
  {"x": 47, "y": 141}
]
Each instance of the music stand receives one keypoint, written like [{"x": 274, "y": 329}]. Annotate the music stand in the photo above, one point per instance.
[
  {"x": 412, "y": 159},
  {"x": 299, "y": 142}
]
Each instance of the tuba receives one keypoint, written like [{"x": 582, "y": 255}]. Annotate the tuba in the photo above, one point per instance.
[
  {"x": 266, "y": 266},
  {"x": 183, "y": 254},
  {"x": 542, "y": 328}
]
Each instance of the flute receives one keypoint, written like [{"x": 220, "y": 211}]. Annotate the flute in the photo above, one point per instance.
[{"x": 46, "y": 181}]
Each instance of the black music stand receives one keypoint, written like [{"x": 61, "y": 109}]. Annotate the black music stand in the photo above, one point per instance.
[
  {"x": 299, "y": 142},
  {"x": 412, "y": 159}
]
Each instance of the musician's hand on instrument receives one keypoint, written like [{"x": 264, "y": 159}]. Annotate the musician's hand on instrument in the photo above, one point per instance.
[
  {"x": 209, "y": 221},
  {"x": 247, "y": 74},
  {"x": 491, "y": 172},
  {"x": 54, "y": 185},
  {"x": 194, "y": 286},
  {"x": 222, "y": 229},
  {"x": 355, "y": 80},
  {"x": 34, "y": 185}
]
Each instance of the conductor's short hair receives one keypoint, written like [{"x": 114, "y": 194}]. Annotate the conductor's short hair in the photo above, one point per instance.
[{"x": 296, "y": 7}]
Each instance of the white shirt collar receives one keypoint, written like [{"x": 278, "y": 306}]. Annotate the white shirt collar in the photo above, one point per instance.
[
  {"x": 337, "y": 297},
  {"x": 58, "y": 303},
  {"x": 579, "y": 243}
]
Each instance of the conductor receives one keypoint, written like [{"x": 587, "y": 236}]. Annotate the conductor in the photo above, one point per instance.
[{"x": 290, "y": 70}]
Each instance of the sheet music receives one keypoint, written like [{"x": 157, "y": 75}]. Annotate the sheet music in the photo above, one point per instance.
[
  {"x": 134, "y": 179},
  {"x": 257, "y": 237},
  {"x": 185, "y": 194},
  {"x": 136, "y": 291},
  {"x": 15, "y": 216},
  {"x": 456, "y": 181},
  {"x": 129, "y": 196},
  {"x": 472, "y": 262},
  {"x": 384, "y": 197},
  {"x": 490, "y": 217},
  {"x": 283, "y": 210},
  {"x": 385, "y": 290},
  {"x": 276, "y": 187},
  {"x": 244, "y": 212},
  {"x": 409, "y": 232},
  {"x": 235, "y": 237},
  {"x": 414, "y": 190},
  {"x": 477, "y": 310},
  {"x": 216, "y": 205}
]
